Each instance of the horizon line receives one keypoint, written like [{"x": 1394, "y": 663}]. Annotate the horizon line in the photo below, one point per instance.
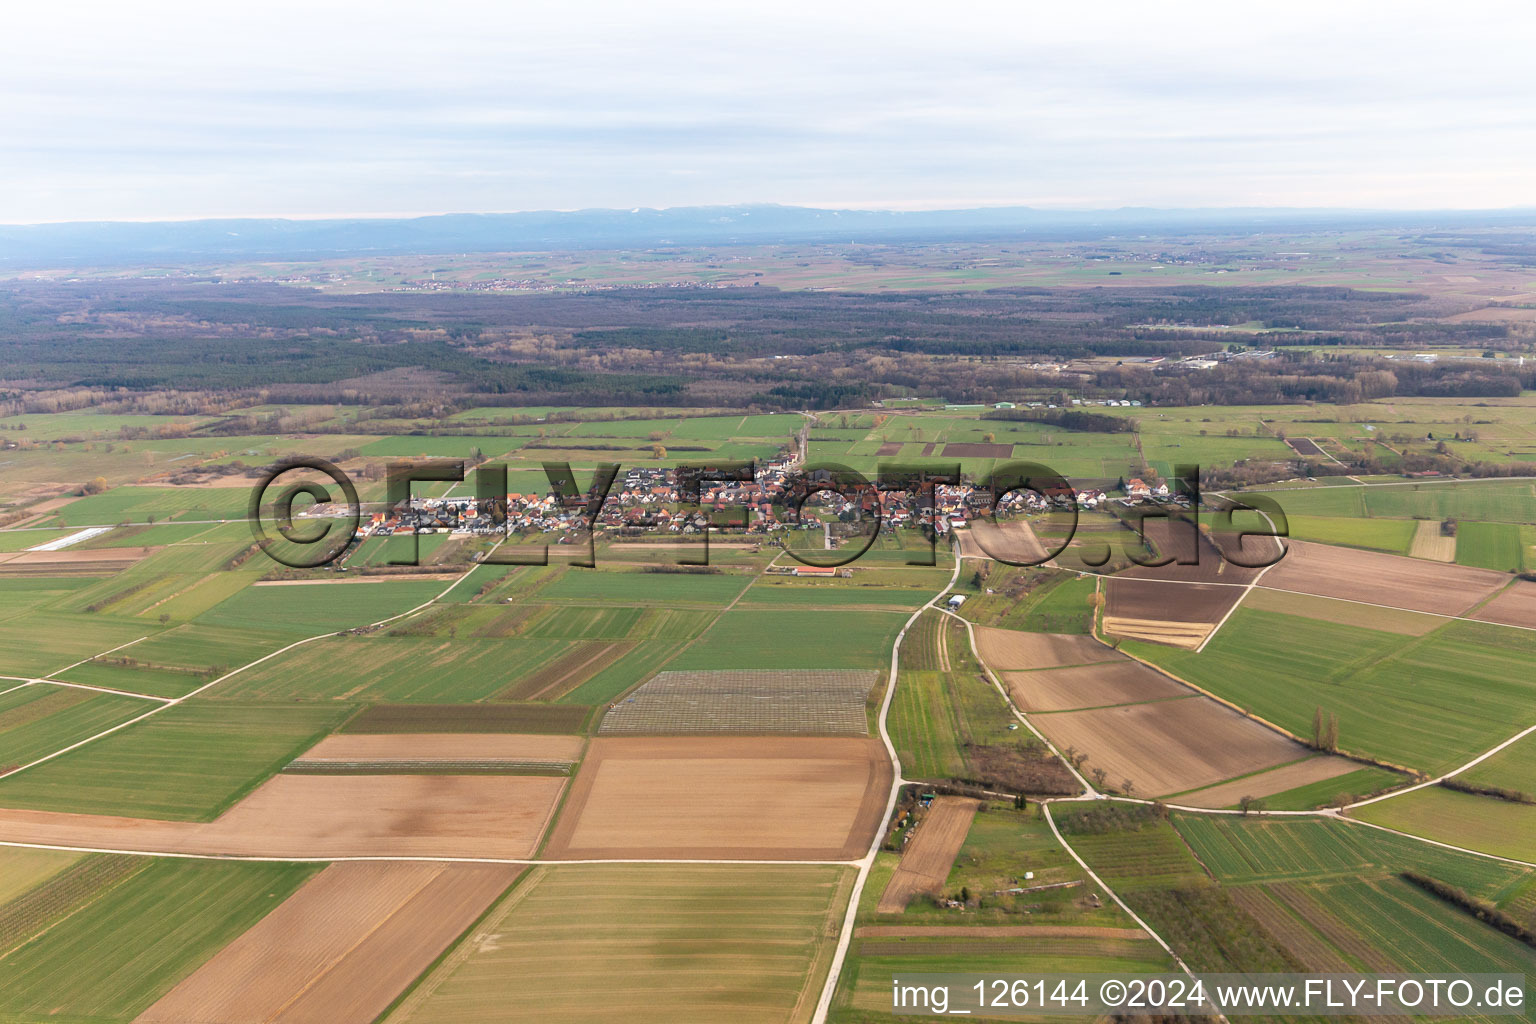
[{"x": 851, "y": 207}]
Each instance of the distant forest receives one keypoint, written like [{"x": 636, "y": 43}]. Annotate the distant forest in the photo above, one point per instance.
[{"x": 208, "y": 343}]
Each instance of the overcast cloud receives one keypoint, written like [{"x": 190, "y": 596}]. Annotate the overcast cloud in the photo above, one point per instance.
[{"x": 171, "y": 110}]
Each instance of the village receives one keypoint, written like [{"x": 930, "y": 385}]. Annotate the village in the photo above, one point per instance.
[{"x": 652, "y": 500}]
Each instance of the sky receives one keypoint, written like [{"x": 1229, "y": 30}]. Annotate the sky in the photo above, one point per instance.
[{"x": 158, "y": 110}]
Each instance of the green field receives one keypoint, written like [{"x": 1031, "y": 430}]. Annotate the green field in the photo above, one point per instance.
[
  {"x": 591, "y": 943},
  {"x": 44, "y": 642},
  {"x": 1429, "y": 702},
  {"x": 320, "y": 607},
  {"x": 1499, "y": 501},
  {"x": 937, "y": 717},
  {"x": 38, "y": 720},
  {"x": 1479, "y": 823},
  {"x": 433, "y": 670},
  {"x": 22, "y": 870},
  {"x": 1416, "y": 932},
  {"x": 1497, "y": 546},
  {"x": 1351, "y": 786},
  {"x": 177, "y": 661},
  {"x": 1394, "y": 535},
  {"x": 156, "y": 504},
  {"x": 118, "y": 949},
  {"x": 1002, "y": 844},
  {"x": 598, "y": 586},
  {"x": 1239, "y": 850},
  {"x": 823, "y": 595},
  {"x": 1030, "y": 599},
  {"x": 1514, "y": 767},
  {"x": 638, "y": 664},
  {"x": 775, "y": 638},
  {"x": 924, "y": 727},
  {"x": 864, "y": 992},
  {"x": 187, "y": 763},
  {"x": 1149, "y": 856}
]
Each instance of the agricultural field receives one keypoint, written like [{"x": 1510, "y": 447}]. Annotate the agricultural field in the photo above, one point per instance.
[
  {"x": 749, "y": 701},
  {"x": 342, "y": 948},
  {"x": 1494, "y": 501},
  {"x": 1513, "y": 606},
  {"x": 1394, "y": 535},
  {"x": 110, "y": 949},
  {"x": 1030, "y": 908},
  {"x": 949, "y": 721},
  {"x": 26, "y": 869},
  {"x": 38, "y": 720},
  {"x": 309, "y": 609},
  {"x": 302, "y": 816},
  {"x": 1239, "y": 850},
  {"x": 1030, "y": 600},
  {"x": 738, "y": 798},
  {"x": 1332, "y": 897},
  {"x": 1408, "y": 583},
  {"x": 189, "y": 762},
  {"x": 1164, "y": 747},
  {"x": 1513, "y": 768},
  {"x": 927, "y": 859},
  {"x": 588, "y": 942},
  {"x": 754, "y": 637},
  {"x": 1429, "y": 703},
  {"x": 385, "y": 669},
  {"x": 550, "y": 722},
  {"x": 1089, "y": 686},
  {"x": 1503, "y": 828},
  {"x": 1498, "y": 546}
]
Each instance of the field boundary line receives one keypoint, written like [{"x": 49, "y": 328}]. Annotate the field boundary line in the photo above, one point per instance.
[
  {"x": 103, "y": 654},
  {"x": 1266, "y": 723},
  {"x": 102, "y": 689},
  {"x": 1246, "y": 590},
  {"x": 1479, "y": 759},
  {"x": 172, "y": 702},
  {"x": 867, "y": 862},
  {"x": 385, "y": 858},
  {"x": 1321, "y": 597},
  {"x": 1436, "y": 842},
  {"x": 1444, "y": 481}
]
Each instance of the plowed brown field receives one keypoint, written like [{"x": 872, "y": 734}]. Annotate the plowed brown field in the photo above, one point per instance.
[
  {"x": 926, "y": 861},
  {"x": 1012, "y": 542},
  {"x": 1169, "y": 746},
  {"x": 444, "y": 746},
  {"x": 500, "y": 816},
  {"x": 1005, "y": 649},
  {"x": 791, "y": 798},
  {"x": 1174, "y": 604},
  {"x": 341, "y": 949},
  {"x": 1089, "y": 686},
  {"x": 1277, "y": 780},
  {"x": 1515, "y": 607},
  {"x": 1393, "y": 580}
]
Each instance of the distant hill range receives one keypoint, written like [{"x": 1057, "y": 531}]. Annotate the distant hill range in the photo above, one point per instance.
[{"x": 111, "y": 242}]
